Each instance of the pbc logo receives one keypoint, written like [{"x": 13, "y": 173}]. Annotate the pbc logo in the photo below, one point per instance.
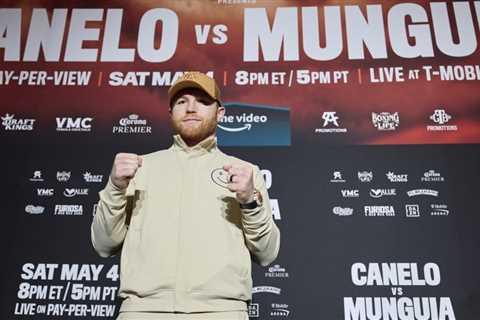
[
  {"x": 45, "y": 192},
  {"x": 74, "y": 124}
]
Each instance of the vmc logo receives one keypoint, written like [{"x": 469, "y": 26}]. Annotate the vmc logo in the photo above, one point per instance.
[
  {"x": 254, "y": 125},
  {"x": 74, "y": 124}
]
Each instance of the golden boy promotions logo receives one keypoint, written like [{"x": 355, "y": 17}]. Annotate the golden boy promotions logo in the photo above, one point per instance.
[{"x": 220, "y": 177}]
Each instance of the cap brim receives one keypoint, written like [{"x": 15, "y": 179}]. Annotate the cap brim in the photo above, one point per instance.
[{"x": 185, "y": 85}]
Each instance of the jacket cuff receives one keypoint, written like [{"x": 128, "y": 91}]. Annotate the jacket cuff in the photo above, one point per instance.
[{"x": 113, "y": 195}]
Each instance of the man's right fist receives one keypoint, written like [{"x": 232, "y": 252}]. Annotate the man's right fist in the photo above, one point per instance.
[{"x": 125, "y": 166}]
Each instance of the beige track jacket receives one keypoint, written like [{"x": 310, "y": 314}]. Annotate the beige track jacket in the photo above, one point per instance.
[{"x": 185, "y": 243}]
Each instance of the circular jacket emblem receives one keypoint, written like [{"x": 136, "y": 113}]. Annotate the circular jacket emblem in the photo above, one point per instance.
[{"x": 220, "y": 177}]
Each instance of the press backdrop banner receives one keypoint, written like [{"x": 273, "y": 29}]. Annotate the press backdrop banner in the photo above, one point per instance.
[{"x": 363, "y": 117}]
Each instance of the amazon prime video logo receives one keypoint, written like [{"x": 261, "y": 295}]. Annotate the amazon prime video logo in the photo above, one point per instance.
[{"x": 254, "y": 125}]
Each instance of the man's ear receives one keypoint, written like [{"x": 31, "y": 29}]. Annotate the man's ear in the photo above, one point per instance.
[{"x": 220, "y": 113}]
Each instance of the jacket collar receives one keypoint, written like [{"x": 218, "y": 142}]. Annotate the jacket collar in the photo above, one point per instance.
[{"x": 207, "y": 145}]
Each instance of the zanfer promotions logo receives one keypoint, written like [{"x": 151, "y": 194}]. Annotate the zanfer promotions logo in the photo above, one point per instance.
[
  {"x": 74, "y": 124},
  {"x": 385, "y": 121},
  {"x": 11, "y": 124},
  {"x": 254, "y": 125},
  {"x": 441, "y": 117}
]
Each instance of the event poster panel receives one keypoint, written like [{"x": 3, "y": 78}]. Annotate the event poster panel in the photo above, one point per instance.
[{"x": 362, "y": 116}]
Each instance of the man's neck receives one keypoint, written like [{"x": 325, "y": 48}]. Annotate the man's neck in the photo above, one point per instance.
[{"x": 193, "y": 142}]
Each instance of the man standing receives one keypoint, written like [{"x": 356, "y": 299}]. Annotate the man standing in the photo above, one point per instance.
[{"x": 187, "y": 219}]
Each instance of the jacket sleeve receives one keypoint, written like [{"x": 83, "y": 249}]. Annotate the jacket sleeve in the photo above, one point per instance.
[
  {"x": 109, "y": 226},
  {"x": 261, "y": 234}
]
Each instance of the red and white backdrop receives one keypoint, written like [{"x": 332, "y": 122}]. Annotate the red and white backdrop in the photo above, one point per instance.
[{"x": 363, "y": 116}]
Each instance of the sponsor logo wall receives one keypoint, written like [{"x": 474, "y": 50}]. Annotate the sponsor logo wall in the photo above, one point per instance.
[{"x": 363, "y": 117}]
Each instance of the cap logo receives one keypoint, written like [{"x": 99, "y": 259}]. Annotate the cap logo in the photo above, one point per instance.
[{"x": 189, "y": 76}]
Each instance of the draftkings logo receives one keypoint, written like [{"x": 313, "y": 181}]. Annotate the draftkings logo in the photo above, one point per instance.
[
  {"x": 397, "y": 177},
  {"x": 88, "y": 177},
  {"x": 385, "y": 121},
  {"x": 74, "y": 124},
  {"x": 330, "y": 123},
  {"x": 441, "y": 118},
  {"x": 9, "y": 123}
]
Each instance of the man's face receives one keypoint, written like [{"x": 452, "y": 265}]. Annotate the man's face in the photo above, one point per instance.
[{"x": 195, "y": 115}]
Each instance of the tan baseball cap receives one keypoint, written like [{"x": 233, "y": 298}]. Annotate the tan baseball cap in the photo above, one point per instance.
[{"x": 195, "y": 79}]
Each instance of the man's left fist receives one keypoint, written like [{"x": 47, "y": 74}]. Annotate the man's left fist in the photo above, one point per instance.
[{"x": 241, "y": 182}]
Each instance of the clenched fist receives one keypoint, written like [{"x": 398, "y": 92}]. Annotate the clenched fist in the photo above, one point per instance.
[
  {"x": 125, "y": 165},
  {"x": 241, "y": 182}
]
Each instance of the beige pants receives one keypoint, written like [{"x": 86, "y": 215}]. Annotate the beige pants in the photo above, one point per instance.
[{"x": 227, "y": 315}]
